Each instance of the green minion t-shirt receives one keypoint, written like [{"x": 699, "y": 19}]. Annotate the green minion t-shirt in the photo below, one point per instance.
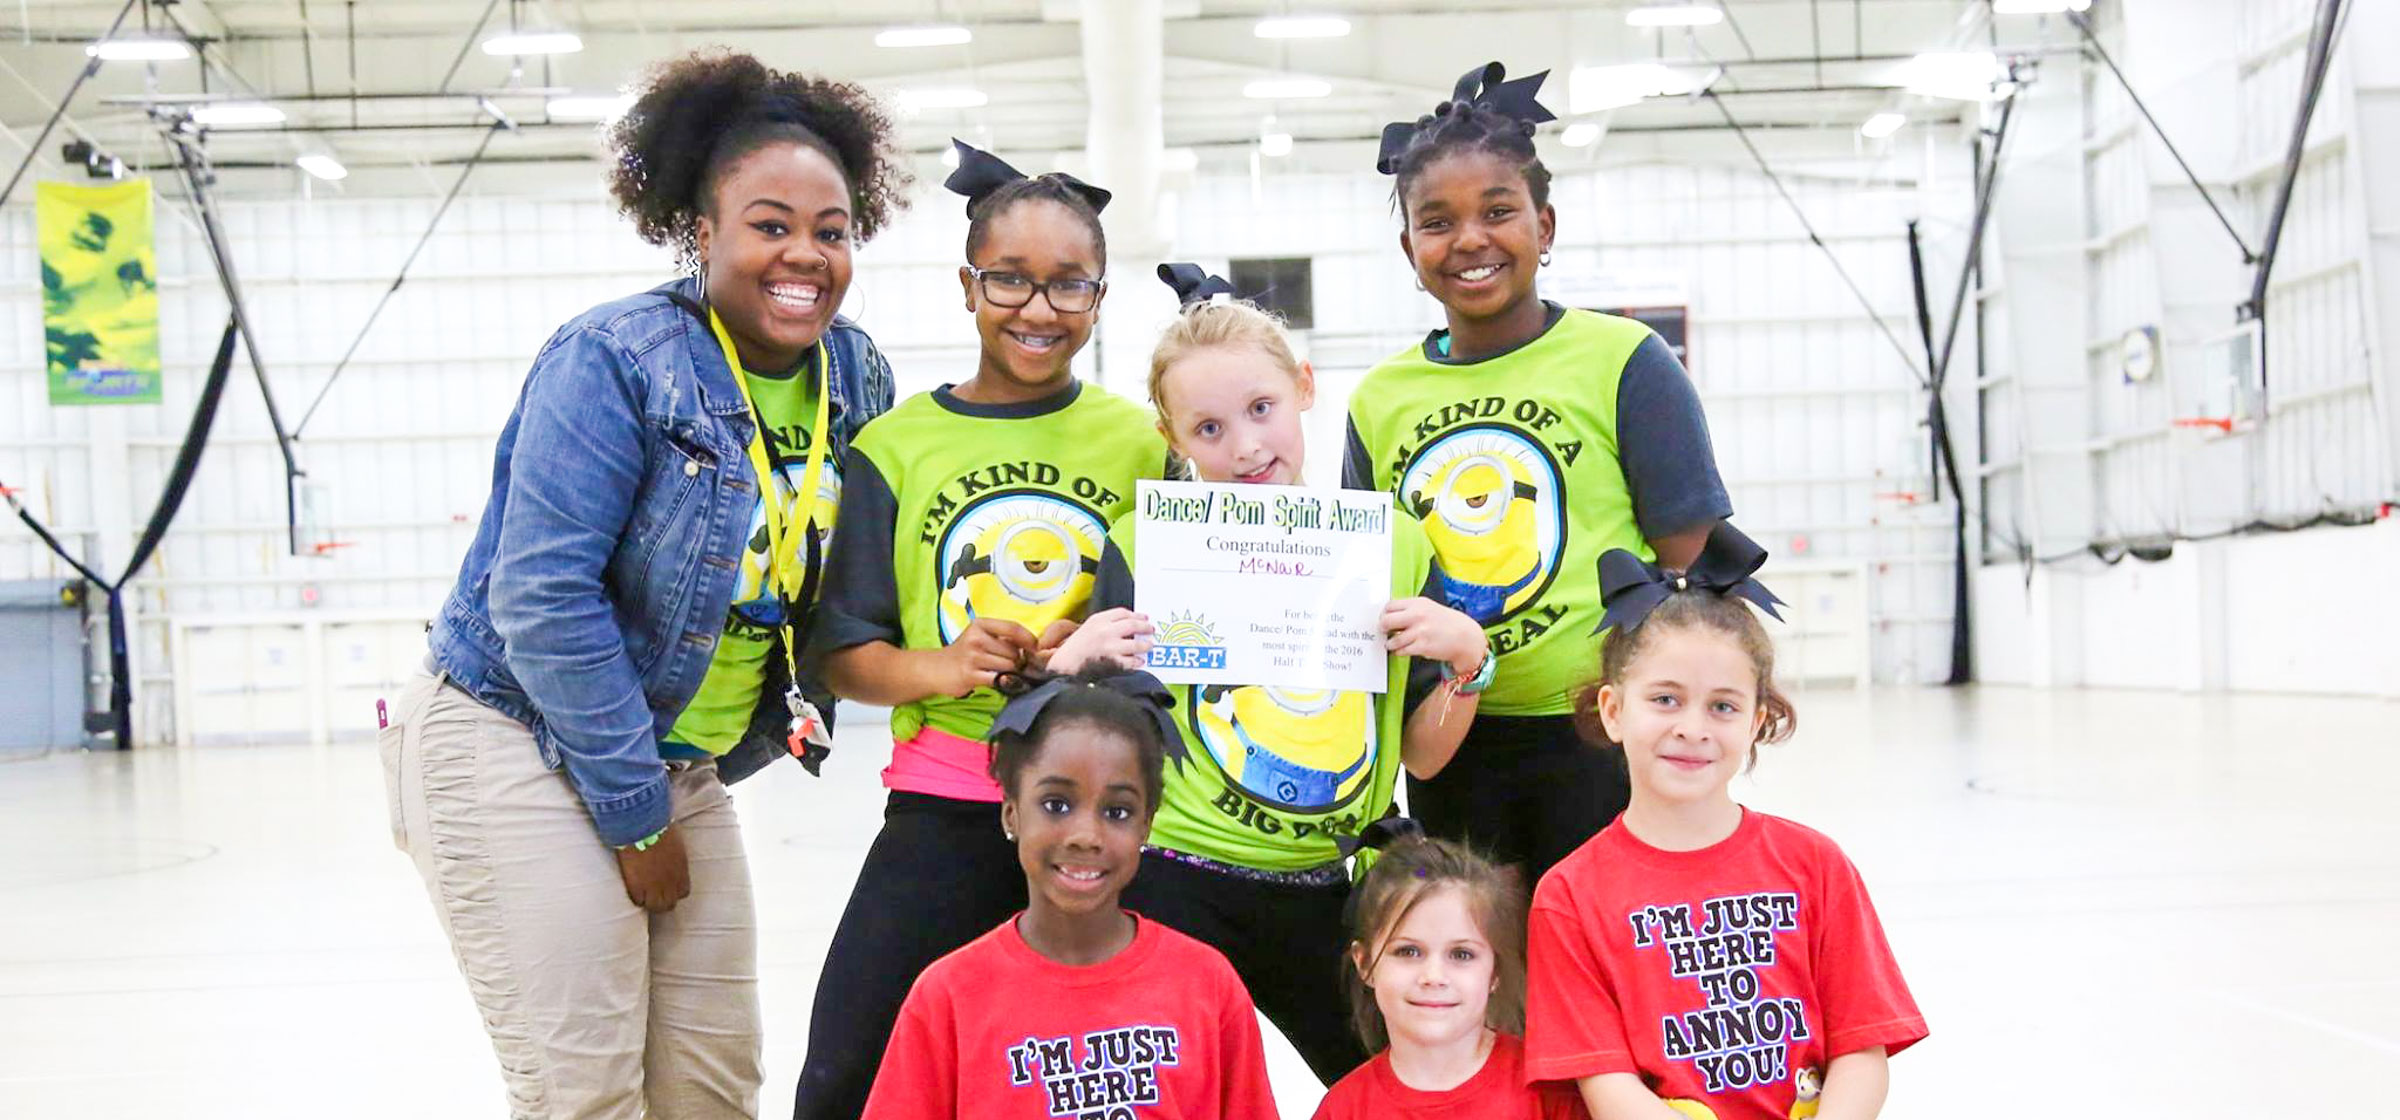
[
  {"x": 1271, "y": 774},
  {"x": 1524, "y": 467},
  {"x": 954, "y": 511},
  {"x": 719, "y": 713}
]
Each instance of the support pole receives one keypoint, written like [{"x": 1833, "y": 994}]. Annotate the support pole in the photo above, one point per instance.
[
  {"x": 2312, "y": 83},
  {"x": 1124, "y": 69},
  {"x": 193, "y": 163}
]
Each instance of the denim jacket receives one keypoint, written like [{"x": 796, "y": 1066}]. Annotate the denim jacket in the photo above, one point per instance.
[{"x": 591, "y": 602}]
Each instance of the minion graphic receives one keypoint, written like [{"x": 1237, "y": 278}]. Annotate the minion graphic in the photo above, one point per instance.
[
  {"x": 754, "y": 602},
  {"x": 1811, "y": 1085},
  {"x": 1488, "y": 500},
  {"x": 1025, "y": 558},
  {"x": 1297, "y": 750}
]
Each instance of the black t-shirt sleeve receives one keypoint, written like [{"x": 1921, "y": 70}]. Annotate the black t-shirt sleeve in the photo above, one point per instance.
[
  {"x": 1358, "y": 473},
  {"x": 1113, "y": 587},
  {"x": 1663, "y": 446},
  {"x": 1424, "y": 674},
  {"x": 861, "y": 602}
]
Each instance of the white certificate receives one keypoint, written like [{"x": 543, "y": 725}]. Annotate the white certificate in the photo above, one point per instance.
[{"x": 1268, "y": 585}]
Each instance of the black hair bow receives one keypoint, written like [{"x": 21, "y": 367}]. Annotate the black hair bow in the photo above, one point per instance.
[
  {"x": 1481, "y": 88},
  {"x": 1022, "y": 711},
  {"x": 1382, "y": 834},
  {"x": 1194, "y": 284},
  {"x": 1631, "y": 587},
  {"x": 980, "y": 173}
]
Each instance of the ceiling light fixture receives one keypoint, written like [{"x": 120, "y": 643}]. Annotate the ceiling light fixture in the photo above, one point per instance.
[
  {"x": 1882, "y": 124},
  {"x": 1955, "y": 75},
  {"x": 235, "y": 114},
  {"x": 1581, "y": 134},
  {"x": 943, "y": 97},
  {"x": 1275, "y": 144},
  {"x": 323, "y": 166},
  {"x": 584, "y": 108},
  {"x": 1302, "y": 27},
  {"x": 2038, "y": 7},
  {"x": 943, "y": 35},
  {"x": 1286, "y": 89},
  {"x": 139, "y": 47},
  {"x": 510, "y": 43},
  {"x": 1594, "y": 89},
  {"x": 1675, "y": 15}
]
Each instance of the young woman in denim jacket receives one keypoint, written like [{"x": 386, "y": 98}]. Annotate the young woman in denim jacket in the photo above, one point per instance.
[{"x": 624, "y": 620}]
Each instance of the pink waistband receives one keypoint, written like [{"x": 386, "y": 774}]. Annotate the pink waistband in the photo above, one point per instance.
[{"x": 942, "y": 765}]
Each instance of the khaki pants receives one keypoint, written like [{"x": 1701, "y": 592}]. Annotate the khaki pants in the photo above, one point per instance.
[{"x": 595, "y": 1007}]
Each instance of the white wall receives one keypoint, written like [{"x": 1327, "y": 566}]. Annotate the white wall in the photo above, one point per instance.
[
  {"x": 2291, "y": 612},
  {"x": 1814, "y": 415},
  {"x": 2077, "y": 452},
  {"x": 2098, "y": 232}
]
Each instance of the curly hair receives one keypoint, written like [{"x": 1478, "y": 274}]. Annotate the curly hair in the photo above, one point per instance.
[
  {"x": 1463, "y": 127},
  {"x": 1048, "y": 187},
  {"x": 698, "y": 115}
]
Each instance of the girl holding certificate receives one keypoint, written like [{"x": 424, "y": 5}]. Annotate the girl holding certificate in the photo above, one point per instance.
[{"x": 1248, "y": 851}]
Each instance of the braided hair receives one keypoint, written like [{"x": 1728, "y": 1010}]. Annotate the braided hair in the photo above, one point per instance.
[{"x": 1457, "y": 127}]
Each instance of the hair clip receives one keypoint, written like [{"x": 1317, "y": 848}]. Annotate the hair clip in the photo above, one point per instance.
[
  {"x": 1018, "y": 716},
  {"x": 1631, "y": 587},
  {"x": 980, "y": 173},
  {"x": 1481, "y": 88},
  {"x": 1195, "y": 285}
]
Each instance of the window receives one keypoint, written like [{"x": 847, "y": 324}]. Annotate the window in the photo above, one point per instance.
[{"x": 1279, "y": 284}]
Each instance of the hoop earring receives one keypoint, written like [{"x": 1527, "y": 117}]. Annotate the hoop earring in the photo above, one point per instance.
[
  {"x": 1545, "y": 258},
  {"x": 700, "y": 270},
  {"x": 1421, "y": 284}
]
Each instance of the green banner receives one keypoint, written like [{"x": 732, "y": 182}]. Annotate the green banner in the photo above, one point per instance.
[{"x": 99, "y": 292}]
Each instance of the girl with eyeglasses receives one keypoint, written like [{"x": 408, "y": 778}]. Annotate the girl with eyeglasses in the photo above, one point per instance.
[{"x": 973, "y": 519}]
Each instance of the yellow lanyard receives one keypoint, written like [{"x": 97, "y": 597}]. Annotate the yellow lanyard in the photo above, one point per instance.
[{"x": 781, "y": 573}]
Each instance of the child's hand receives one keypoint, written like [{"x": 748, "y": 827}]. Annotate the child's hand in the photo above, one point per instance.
[
  {"x": 1053, "y": 636},
  {"x": 1419, "y": 627},
  {"x": 1116, "y": 634},
  {"x": 987, "y": 648}
]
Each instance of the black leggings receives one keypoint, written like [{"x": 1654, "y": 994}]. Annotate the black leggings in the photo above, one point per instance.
[
  {"x": 939, "y": 875},
  {"x": 1524, "y": 790},
  {"x": 1285, "y": 941}
]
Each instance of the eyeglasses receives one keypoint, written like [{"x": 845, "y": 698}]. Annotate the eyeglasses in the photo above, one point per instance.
[{"x": 1015, "y": 289}]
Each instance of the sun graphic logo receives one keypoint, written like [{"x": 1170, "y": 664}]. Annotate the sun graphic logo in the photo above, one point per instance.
[{"x": 1188, "y": 641}]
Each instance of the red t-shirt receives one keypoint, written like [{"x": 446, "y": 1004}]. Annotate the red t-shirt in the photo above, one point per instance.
[
  {"x": 1496, "y": 1092},
  {"x": 1729, "y": 975},
  {"x": 1164, "y": 1029}
]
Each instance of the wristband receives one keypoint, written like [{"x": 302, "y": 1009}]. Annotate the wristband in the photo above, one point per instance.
[
  {"x": 645, "y": 843},
  {"x": 1482, "y": 677}
]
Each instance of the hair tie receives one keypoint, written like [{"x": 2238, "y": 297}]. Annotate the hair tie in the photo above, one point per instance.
[
  {"x": 1631, "y": 587},
  {"x": 1381, "y": 835},
  {"x": 1193, "y": 284},
  {"x": 1480, "y": 88},
  {"x": 980, "y": 173}
]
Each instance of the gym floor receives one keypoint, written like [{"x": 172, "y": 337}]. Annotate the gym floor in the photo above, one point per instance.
[{"x": 2132, "y": 904}]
